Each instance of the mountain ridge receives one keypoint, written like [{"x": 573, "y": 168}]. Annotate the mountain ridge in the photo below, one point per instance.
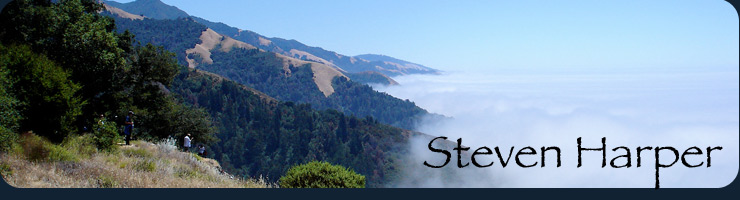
[
  {"x": 150, "y": 8},
  {"x": 289, "y": 47}
]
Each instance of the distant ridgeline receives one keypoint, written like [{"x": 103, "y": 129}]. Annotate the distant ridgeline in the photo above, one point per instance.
[
  {"x": 269, "y": 73},
  {"x": 350, "y": 64}
]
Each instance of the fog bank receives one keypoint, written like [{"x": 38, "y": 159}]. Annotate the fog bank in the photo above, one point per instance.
[{"x": 638, "y": 108}]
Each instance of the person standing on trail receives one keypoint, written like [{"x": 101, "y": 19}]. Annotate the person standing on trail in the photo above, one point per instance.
[
  {"x": 186, "y": 142},
  {"x": 201, "y": 150},
  {"x": 129, "y": 126}
]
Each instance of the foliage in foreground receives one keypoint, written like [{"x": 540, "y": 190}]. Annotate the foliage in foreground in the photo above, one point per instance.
[{"x": 321, "y": 175}]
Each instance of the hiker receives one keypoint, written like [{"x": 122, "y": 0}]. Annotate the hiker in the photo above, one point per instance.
[
  {"x": 101, "y": 121},
  {"x": 186, "y": 142},
  {"x": 129, "y": 126},
  {"x": 201, "y": 150}
]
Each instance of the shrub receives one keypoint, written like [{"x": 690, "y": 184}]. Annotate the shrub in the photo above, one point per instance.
[
  {"x": 59, "y": 154},
  {"x": 5, "y": 170},
  {"x": 145, "y": 166},
  {"x": 105, "y": 181},
  {"x": 82, "y": 145},
  {"x": 106, "y": 136},
  {"x": 36, "y": 148},
  {"x": 186, "y": 172},
  {"x": 7, "y": 139},
  {"x": 321, "y": 175}
]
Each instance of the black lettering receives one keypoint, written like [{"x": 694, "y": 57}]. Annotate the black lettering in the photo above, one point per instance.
[
  {"x": 521, "y": 151},
  {"x": 658, "y": 165},
  {"x": 697, "y": 151},
  {"x": 709, "y": 156},
  {"x": 503, "y": 164},
  {"x": 557, "y": 149},
  {"x": 447, "y": 153},
  {"x": 476, "y": 152},
  {"x": 602, "y": 149},
  {"x": 628, "y": 156},
  {"x": 639, "y": 150},
  {"x": 459, "y": 150}
]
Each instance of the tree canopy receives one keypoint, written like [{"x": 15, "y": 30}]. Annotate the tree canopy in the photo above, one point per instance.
[{"x": 68, "y": 64}]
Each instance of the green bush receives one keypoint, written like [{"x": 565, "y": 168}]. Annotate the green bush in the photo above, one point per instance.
[
  {"x": 105, "y": 181},
  {"x": 321, "y": 175},
  {"x": 5, "y": 170},
  {"x": 82, "y": 145},
  {"x": 36, "y": 148},
  {"x": 187, "y": 172},
  {"x": 60, "y": 154},
  {"x": 145, "y": 166},
  {"x": 106, "y": 136}
]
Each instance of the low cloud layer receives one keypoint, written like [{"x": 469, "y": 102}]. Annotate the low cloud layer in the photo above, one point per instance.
[{"x": 678, "y": 109}]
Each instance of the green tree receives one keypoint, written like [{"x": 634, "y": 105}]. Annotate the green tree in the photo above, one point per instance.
[
  {"x": 75, "y": 36},
  {"x": 8, "y": 107},
  {"x": 177, "y": 120},
  {"x": 321, "y": 175},
  {"x": 50, "y": 105},
  {"x": 105, "y": 135}
]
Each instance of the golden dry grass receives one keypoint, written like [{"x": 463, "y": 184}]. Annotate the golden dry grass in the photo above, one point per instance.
[
  {"x": 121, "y": 13},
  {"x": 310, "y": 57},
  {"x": 229, "y": 43},
  {"x": 209, "y": 40},
  {"x": 322, "y": 74},
  {"x": 140, "y": 165}
]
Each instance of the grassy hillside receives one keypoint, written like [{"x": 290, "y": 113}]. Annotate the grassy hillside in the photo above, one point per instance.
[{"x": 75, "y": 163}]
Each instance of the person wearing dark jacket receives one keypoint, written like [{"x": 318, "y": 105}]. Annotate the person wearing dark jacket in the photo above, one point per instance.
[{"x": 129, "y": 126}]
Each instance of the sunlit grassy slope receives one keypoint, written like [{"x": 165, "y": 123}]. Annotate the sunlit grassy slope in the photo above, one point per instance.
[{"x": 36, "y": 163}]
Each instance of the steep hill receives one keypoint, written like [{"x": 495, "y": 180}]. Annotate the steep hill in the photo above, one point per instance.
[{"x": 292, "y": 48}]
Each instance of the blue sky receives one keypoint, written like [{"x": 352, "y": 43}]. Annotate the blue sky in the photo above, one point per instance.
[{"x": 477, "y": 35}]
